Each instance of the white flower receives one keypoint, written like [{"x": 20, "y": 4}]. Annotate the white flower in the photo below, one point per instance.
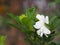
[{"x": 40, "y": 25}]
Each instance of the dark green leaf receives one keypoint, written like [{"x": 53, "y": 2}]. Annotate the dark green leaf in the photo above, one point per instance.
[
  {"x": 31, "y": 13},
  {"x": 52, "y": 19},
  {"x": 14, "y": 25},
  {"x": 52, "y": 43},
  {"x": 16, "y": 18},
  {"x": 54, "y": 22}
]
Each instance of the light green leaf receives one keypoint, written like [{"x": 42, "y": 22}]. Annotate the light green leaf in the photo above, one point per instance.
[
  {"x": 2, "y": 39},
  {"x": 22, "y": 16},
  {"x": 26, "y": 22}
]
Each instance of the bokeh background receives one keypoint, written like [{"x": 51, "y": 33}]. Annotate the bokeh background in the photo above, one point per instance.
[{"x": 18, "y": 7}]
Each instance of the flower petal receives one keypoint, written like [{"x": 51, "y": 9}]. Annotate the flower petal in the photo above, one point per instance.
[
  {"x": 38, "y": 25},
  {"x": 47, "y": 20},
  {"x": 40, "y": 33},
  {"x": 46, "y": 31},
  {"x": 38, "y": 16},
  {"x": 46, "y": 35}
]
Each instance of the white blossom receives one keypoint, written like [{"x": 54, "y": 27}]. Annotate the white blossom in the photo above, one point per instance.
[{"x": 40, "y": 25}]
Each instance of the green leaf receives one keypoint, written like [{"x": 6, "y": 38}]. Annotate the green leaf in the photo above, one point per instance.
[
  {"x": 14, "y": 25},
  {"x": 22, "y": 16},
  {"x": 52, "y": 22},
  {"x": 52, "y": 43},
  {"x": 2, "y": 40},
  {"x": 52, "y": 19},
  {"x": 26, "y": 22},
  {"x": 31, "y": 13},
  {"x": 16, "y": 18},
  {"x": 56, "y": 23}
]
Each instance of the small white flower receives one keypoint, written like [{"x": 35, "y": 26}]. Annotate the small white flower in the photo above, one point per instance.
[{"x": 40, "y": 25}]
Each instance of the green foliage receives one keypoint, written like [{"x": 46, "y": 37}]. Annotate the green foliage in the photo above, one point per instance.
[
  {"x": 12, "y": 24},
  {"x": 16, "y": 18},
  {"x": 31, "y": 13},
  {"x": 26, "y": 21},
  {"x": 54, "y": 22},
  {"x": 52, "y": 43}
]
